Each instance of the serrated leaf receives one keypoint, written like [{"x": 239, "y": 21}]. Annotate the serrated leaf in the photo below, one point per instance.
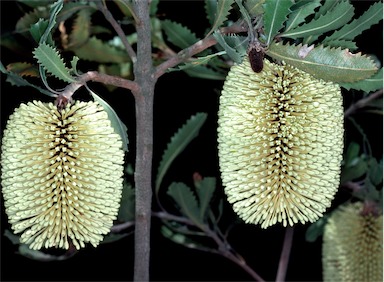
[
  {"x": 222, "y": 11},
  {"x": 74, "y": 62},
  {"x": 196, "y": 62},
  {"x": 255, "y": 7},
  {"x": 53, "y": 12},
  {"x": 80, "y": 29},
  {"x": 24, "y": 23},
  {"x": 275, "y": 14},
  {"x": 36, "y": 3},
  {"x": 205, "y": 73},
  {"x": 333, "y": 19},
  {"x": 127, "y": 204},
  {"x": 316, "y": 229},
  {"x": 116, "y": 123},
  {"x": 153, "y": 7},
  {"x": 178, "y": 34},
  {"x": 186, "y": 200},
  {"x": 325, "y": 63},
  {"x": 98, "y": 51},
  {"x": 23, "y": 69},
  {"x": 349, "y": 31},
  {"x": 37, "y": 30},
  {"x": 17, "y": 80},
  {"x": 49, "y": 58},
  {"x": 210, "y": 7},
  {"x": 69, "y": 9},
  {"x": 326, "y": 6},
  {"x": 231, "y": 52},
  {"x": 299, "y": 14},
  {"x": 373, "y": 83},
  {"x": 343, "y": 44},
  {"x": 205, "y": 189},
  {"x": 178, "y": 143}
]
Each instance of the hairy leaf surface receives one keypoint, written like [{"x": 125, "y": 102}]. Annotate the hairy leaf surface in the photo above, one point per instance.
[{"x": 326, "y": 63}]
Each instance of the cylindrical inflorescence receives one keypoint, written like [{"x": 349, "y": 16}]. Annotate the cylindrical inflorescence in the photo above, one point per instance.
[
  {"x": 280, "y": 141},
  {"x": 62, "y": 174}
]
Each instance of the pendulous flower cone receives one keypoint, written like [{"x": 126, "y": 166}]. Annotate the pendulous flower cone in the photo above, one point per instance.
[
  {"x": 61, "y": 174},
  {"x": 353, "y": 245},
  {"x": 280, "y": 143}
]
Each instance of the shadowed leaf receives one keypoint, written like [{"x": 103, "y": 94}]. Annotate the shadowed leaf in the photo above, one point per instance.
[
  {"x": 177, "y": 144},
  {"x": 186, "y": 200},
  {"x": 205, "y": 189},
  {"x": 23, "y": 69},
  {"x": 299, "y": 14},
  {"x": 80, "y": 29},
  {"x": 373, "y": 83},
  {"x": 254, "y": 7},
  {"x": 178, "y": 34},
  {"x": 222, "y": 11}
]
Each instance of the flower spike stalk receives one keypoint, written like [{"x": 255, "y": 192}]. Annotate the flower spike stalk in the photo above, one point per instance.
[
  {"x": 62, "y": 174},
  {"x": 280, "y": 141}
]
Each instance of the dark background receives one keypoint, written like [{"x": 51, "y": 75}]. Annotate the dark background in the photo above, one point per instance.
[{"x": 178, "y": 96}]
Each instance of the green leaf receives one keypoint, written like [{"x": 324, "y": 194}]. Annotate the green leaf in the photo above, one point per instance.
[
  {"x": 196, "y": 62},
  {"x": 17, "y": 80},
  {"x": 327, "y": 6},
  {"x": 375, "y": 171},
  {"x": 24, "y": 23},
  {"x": 333, "y": 19},
  {"x": 351, "y": 154},
  {"x": 325, "y": 63},
  {"x": 343, "y": 44},
  {"x": 230, "y": 50},
  {"x": 210, "y": 7},
  {"x": 205, "y": 73},
  {"x": 37, "y": 30},
  {"x": 50, "y": 59},
  {"x": 178, "y": 143},
  {"x": 178, "y": 34},
  {"x": 299, "y": 14},
  {"x": 113, "y": 237},
  {"x": 186, "y": 201},
  {"x": 53, "y": 12},
  {"x": 355, "y": 170},
  {"x": 275, "y": 14},
  {"x": 116, "y": 123},
  {"x": 98, "y": 51},
  {"x": 126, "y": 8},
  {"x": 367, "y": 85},
  {"x": 205, "y": 189},
  {"x": 349, "y": 31},
  {"x": 127, "y": 204},
  {"x": 12, "y": 237},
  {"x": 179, "y": 238},
  {"x": 222, "y": 11},
  {"x": 23, "y": 69},
  {"x": 36, "y": 3},
  {"x": 80, "y": 29},
  {"x": 316, "y": 229},
  {"x": 153, "y": 7},
  {"x": 71, "y": 8},
  {"x": 255, "y": 7}
]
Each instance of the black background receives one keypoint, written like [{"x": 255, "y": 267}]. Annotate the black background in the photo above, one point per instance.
[{"x": 177, "y": 98}]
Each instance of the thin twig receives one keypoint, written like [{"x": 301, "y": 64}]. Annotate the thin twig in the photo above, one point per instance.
[
  {"x": 363, "y": 102},
  {"x": 284, "y": 258},
  {"x": 194, "y": 49},
  {"x": 109, "y": 17}
]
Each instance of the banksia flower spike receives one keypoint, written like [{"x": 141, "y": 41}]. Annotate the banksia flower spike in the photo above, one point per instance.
[
  {"x": 280, "y": 142},
  {"x": 61, "y": 174},
  {"x": 353, "y": 245}
]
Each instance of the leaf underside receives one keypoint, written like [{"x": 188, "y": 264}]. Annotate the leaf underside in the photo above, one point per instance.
[{"x": 326, "y": 63}]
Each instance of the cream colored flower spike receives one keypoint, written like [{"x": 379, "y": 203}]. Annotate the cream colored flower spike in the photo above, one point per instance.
[
  {"x": 61, "y": 174},
  {"x": 280, "y": 141},
  {"x": 353, "y": 245}
]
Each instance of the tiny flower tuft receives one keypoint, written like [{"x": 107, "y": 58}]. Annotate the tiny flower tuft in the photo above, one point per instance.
[
  {"x": 61, "y": 174},
  {"x": 280, "y": 142},
  {"x": 353, "y": 245}
]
